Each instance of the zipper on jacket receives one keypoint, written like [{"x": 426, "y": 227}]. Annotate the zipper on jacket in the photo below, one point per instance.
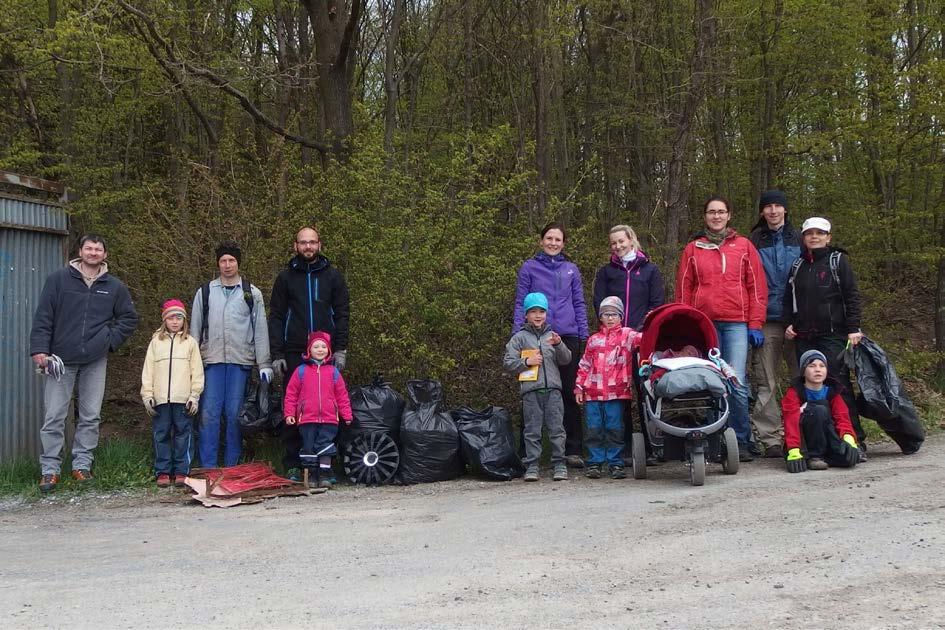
[
  {"x": 170, "y": 367},
  {"x": 541, "y": 367},
  {"x": 285, "y": 329},
  {"x": 311, "y": 315},
  {"x": 85, "y": 313},
  {"x": 318, "y": 375},
  {"x": 626, "y": 302}
]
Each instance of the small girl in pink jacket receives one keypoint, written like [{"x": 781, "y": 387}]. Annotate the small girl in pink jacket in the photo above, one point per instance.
[
  {"x": 603, "y": 386},
  {"x": 315, "y": 397}
]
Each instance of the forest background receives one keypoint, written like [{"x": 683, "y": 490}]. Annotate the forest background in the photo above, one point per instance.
[{"x": 429, "y": 140}]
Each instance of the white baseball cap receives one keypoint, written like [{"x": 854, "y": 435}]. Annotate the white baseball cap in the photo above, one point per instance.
[{"x": 816, "y": 223}]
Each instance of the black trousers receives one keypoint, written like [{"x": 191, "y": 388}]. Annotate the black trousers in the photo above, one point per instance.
[
  {"x": 290, "y": 436},
  {"x": 820, "y": 435},
  {"x": 832, "y": 346},
  {"x": 573, "y": 426}
]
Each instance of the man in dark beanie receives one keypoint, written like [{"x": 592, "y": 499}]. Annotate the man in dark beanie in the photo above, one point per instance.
[
  {"x": 229, "y": 321},
  {"x": 778, "y": 245}
]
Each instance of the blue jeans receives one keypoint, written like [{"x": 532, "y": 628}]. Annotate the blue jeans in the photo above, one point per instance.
[
  {"x": 223, "y": 395},
  {"x": 603, "y": 433},
  {"x": 171, "y": 430},
  {"x": 733, "y": 343}
]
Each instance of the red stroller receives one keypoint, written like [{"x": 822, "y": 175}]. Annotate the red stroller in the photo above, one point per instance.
[{"x": 682, "y": 391}]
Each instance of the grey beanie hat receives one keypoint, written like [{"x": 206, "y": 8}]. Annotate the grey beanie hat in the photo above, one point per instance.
[
  {"x": 612, "y": 303},
  {"x": 808, "y": 357}
]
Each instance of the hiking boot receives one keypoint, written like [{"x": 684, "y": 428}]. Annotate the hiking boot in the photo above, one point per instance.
[
  {"x": 815, "y": 463},
  {"x": 82, "y": 476},
  {"x": 325, "y": 478},
  {"x": 593, "y": 471},
  {"x": 48, "y": 483},
  {"x": 179, "y": 480},
  {"x": 531, "y": 474},
  {"x": 163, "y": 480},
  {"x": 774, "y": 452},
  {"x": 574, "y": 461},
  {"x": 744, "y": 454},
  {"x": 755, "y": 449},
  {"x": 294, "y": 474},
  {"x": 560, "y": 473},
  {"x": 618, "y": 472}
]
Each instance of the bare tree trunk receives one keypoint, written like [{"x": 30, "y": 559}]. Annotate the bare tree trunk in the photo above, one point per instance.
[
  {"x": 336, "y": 25},
  {"x": 677, "y": 192},
  {"x": 540, "y": 94},
  {"x": 391, "y": 78}
]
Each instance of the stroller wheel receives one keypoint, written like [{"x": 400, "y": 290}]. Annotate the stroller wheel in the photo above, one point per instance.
[
  {"x": 371, "y": 459},
  {"x": 639, "y": 456},
  {"x": 697, "y": 468},
  {"x": 729, "y": 452}
]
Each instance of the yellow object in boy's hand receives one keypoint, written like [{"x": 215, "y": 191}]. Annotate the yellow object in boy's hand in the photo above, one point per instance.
[
  {"x": 290, "y": 420},
  {"x": 849, "y": 439}
]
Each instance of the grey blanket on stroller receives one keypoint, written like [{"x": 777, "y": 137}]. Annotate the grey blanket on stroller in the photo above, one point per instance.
[{"x": 689, "y": 380}]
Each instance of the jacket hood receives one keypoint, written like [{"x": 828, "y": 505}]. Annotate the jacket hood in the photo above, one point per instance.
[
  {"x": 298, "y": 264},
  {"x": 762, "y": 226},
  {"x": 541, "y": 331},
  {"x": 822, "y": 252},
  {"x": 548, "y": 260},
  {"x": 75, "y": 262},
  {"x": 316, "y": 336}
]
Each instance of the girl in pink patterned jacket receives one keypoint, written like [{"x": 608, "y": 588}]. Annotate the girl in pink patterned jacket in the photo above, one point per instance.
[
  {"x": 314, "y": 399},
  {"x": 603, "y": 387}
]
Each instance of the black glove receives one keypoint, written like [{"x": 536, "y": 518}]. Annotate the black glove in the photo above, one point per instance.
[
  {"x": 851, "y": 454},
  {"x": 795, "y": 462}
]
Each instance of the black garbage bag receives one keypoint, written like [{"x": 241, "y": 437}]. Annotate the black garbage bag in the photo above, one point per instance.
[
  {"x": 487, "y": 444},
  {"x": 376, "y": 407},
  {"x": 262, "y": 408},
  {"x": 882, "y": 397},
  {"x": 429, "y": 439}
]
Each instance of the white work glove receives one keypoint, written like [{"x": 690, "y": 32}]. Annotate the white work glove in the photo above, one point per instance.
[
  {"x": 265, "y": 374},
  {"x": 340, "y": 358},
  {"x": 279, "y": 366},
  {"x": 192, "y": 405},
  {"x": 149, "y": 406}
]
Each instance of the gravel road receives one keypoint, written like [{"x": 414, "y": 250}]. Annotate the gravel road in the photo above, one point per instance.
[{"x": 761, "y": 549}]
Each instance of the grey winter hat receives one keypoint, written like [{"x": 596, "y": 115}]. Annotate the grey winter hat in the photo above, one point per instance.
[
  {"x": 809, "y": 357},
  {"x": 612, "y": 303}
]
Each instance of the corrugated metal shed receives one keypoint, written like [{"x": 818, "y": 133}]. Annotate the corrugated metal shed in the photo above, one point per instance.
[{"x": 33, "y": 241}]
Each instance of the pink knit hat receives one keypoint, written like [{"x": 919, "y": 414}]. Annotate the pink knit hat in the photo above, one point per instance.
[{"x": 173, "y": 307}]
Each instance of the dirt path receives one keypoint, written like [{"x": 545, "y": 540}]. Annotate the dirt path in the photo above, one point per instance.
[{"x": 835, "y": 549}]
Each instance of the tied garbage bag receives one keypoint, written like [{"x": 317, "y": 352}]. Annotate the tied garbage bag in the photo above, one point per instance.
[
  {"x": 429, "y": 439},
  {"x": 882, "y": 397},
  {"x": 487, "y": 443},
  {"x": 377, "y": 408}
]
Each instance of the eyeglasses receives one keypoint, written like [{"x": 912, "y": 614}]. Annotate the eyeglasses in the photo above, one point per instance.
[
  {"x": 716, "y": 213},
  {"x": 603, "y": 315},
  {"x": 307, "y": 242}
]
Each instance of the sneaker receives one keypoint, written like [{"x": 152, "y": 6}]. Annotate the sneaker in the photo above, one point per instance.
[
  {"x": 82, "y": 476},
  {"x": 531, "y": 474},
  {"x": 163, "y": 480},
  {"x": 744, "y": 454},
  {"x": 862, "y": 449},
  {"x": 179, "y": 480},
  {"x": 618, "y": 472},
  {"x": 48, "y": 483},
  {"x": 561, "y": 472},
  {"x": 574, "y": 461},
  {"x": 325, "y": 479},
  {"x": 774, "y": 452},
  {"x": 593, "y": 471},
  {"x": 815, "y": 463},
  {"x": 294, "y": 474}
]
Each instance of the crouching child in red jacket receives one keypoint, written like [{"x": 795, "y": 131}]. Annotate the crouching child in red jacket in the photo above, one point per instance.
[
  {"x": 315, "y": 398},
  {"x": 814, "y": 412}
]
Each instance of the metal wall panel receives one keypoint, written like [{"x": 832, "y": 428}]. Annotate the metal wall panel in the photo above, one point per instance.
[{"x": 27, "y": 257}]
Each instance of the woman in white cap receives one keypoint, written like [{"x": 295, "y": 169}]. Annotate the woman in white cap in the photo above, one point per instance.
[{"x": 823, "y": 308}]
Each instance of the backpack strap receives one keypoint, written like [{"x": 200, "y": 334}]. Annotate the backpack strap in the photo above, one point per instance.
[
  {"x": 205, "y": 303},
  {"x": 835, "y": 272},
  {"x": 791, "y": 274},
  {"x": 250, "y": 304}
]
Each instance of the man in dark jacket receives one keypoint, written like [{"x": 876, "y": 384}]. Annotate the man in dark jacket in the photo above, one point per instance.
[
  {"x": 778, "y": 245},
  {"x": 83, "y": 314},
  {"x": 308, "y": 295}
]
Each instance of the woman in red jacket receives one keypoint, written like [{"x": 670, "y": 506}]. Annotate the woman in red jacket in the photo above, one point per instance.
[
  {"x": 315, "y": 398},
  {"x": 721, "y": 274}
]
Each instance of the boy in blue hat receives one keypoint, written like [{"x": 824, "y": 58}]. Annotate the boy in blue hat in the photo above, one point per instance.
[{"x": 534, "y": 354}]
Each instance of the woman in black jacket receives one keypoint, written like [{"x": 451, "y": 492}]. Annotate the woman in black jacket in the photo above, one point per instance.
[{"x": 823, "y": 308}]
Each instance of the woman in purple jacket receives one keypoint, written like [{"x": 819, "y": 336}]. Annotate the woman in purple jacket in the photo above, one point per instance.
[{"x": 552, "y": 273}]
